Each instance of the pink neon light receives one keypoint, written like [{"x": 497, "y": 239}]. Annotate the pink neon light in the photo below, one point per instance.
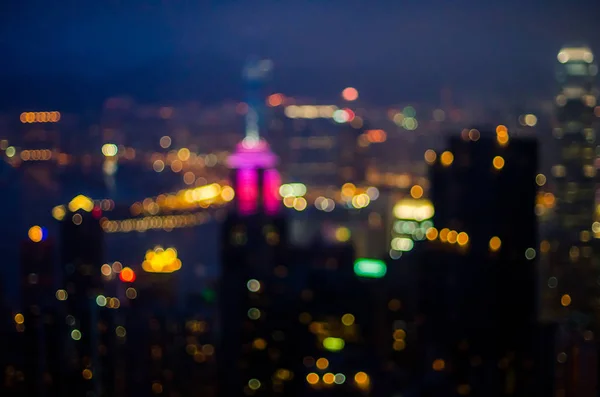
[
  {"x": 252, "y": 155},
  {"x": 247, "y": 190},
  {"x": 271, "y": 191}
]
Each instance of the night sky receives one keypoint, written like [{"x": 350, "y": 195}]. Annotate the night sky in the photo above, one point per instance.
[{"x": 183, "y": 49}]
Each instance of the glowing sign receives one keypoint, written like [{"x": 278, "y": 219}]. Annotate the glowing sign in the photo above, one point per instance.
[{"x": 370, "y": 268}]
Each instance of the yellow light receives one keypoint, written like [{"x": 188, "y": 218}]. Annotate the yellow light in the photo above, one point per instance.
[
  {"x": 531, "y": 120},
  {"x": 87, "y": 374},
  {"x": 36, "y": 234},
  {"x": 348, "y": 189},
  {"x": 348, "y": 319},
  {"x": 399, "y": 345},
  {"x": 431, "y": 234},
  {"x": 447, "y": 158},
  {"x": 160, "y": 260},
  {"x": 61, "y": 295},
  {"x": 227, "y": 193},
  {"x": 183, "y": 154},
  {"x": 498, "y": 162},
  {"x": 328, "y": 378},
  {"x": 259, "y": 344},
  {"x": 565, "y": 300},
  {"x": 59, "y": 212},
  {"x": 399, "y": 334},
  {"x": 342, "y": 234},
  {"x": 19, "y": 318},
  {"x": 416, "y": 192},
  {"x": 411, "y": 209},
  {"x": 462, "y": 238},
  {"x": 300, "y": 204},
  {"x": 312, "y": 378},
  {"x": 540, "y": 179},
  {"x": 109, "y": 150},
  {"x": 81, "y": 202},
  {"x": 322, "y": 363},
  {"x": 495, "y": 243},
  {"x": 430, "y": 156}
]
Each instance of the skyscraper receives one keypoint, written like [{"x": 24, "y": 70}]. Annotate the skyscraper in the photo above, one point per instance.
[
  {"x": 572, "y": 279},
  {"x": 478, "y": 271}
]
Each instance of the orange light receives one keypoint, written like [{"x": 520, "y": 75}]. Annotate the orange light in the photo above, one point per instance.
[
  {"x": 328, "y": 378},
  {"x": 416, "y": 192},
  {"x": 376, "y": 136},
  {"x": 322, "y": 363},
  {"x": 565, "y": 300},
  {"x": 438, "y": 364},
  {"x": 127, "y": 275},
  {"x": 312, "y": 378},
  {"x": 501, "y": 130},
  {"x": 495, "y": 243},
  {"x": 361, "y": 378},
  {"x": 498, "y": 162},
  {"x": 275, "y": 100},
  {"x": 432, "y": 233},
  {"x": 447, "y": 158}
]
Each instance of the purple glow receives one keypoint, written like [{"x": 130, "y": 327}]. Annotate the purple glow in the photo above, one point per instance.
[
  {"x": 247, "y": 190},
  {"x": 252, "y": 155},
  {"x": 271, "y": 191}
]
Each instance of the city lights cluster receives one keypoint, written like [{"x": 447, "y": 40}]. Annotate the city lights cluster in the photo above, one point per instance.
[
  {"x": 187, "y": 199},
  {"x": 449, "y": 236},
  {"x": 405, "y": 118},
  {"x": 413, "y": 219},
  {"x": 160, "y": 260},
  {"x": 166, "y": 223},
  {"x": 372, "y": 136},
  {"x": 39, "y": 117}
]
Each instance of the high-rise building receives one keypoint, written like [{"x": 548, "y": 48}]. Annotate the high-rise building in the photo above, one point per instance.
[
  {"x": 571, "y": 286},
  {"x": 478, "y": 271},
  {"x": 81, "y": 252}
]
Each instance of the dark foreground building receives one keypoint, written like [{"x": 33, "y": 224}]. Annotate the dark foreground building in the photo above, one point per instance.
[{"x": 478, "y": 288}]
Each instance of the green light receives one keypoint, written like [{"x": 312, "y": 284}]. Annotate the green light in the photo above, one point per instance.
[
  {"x": 76, "y": 334},
  {"x": 333, "y": 344},
  {"x": 372, "y": 268}
]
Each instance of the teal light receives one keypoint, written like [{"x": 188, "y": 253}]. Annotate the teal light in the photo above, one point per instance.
[
  {"x": 372, "y": 268},
  {"x": 333, "y": 344}
]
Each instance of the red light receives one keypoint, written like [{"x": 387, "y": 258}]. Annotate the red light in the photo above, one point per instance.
[
  {"x": 127, "y": 275},
  {"x": 96, "y": 212},
  {"x": 350, "y": 114}
]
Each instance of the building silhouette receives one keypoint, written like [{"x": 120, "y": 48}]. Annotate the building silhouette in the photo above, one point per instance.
[{"x": 478, "y": 271}]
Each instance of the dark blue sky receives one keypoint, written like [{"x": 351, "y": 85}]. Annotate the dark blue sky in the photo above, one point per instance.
[{"x": 388, "y": 49}]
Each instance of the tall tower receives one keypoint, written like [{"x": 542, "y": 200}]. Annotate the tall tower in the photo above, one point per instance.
[
  {"x": 253, "y": 243},
  {"x": 573, "y": 279},
  {"x": 576, "y": 184},
  {"x": 575, "y": 175}
]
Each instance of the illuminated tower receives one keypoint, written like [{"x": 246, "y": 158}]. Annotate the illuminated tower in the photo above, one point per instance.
[
  {"x": 253, "y": 243},
  {"x": 575, "y": 176},
  {"x": 572, "y": 285},
  {"x": 576, "y": 183},
  {"x": 255, "y": 179}
]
